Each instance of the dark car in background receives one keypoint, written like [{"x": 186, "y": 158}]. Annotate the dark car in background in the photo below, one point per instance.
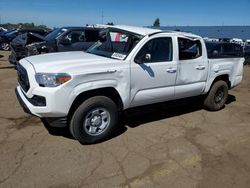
[
  {"x": 247, "y": 51},
  {"x": 60, "y": 40},
  {"x": 224, "y": 50},
  {"x": 8, "y": 36},
  {"x": 2, "y": 33},
  {"x": 2, "y": 30}
]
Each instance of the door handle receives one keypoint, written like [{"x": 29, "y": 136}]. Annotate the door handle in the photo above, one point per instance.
[
  {"x": 200, "y": 67},
  {"x": 171, "y": 70},
  {"x": 111, "y": 71}
]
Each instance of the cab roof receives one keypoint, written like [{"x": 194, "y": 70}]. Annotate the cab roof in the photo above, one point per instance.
[
  {"x": 150, "y": 31},
  {"x": 138, "y": 30}
]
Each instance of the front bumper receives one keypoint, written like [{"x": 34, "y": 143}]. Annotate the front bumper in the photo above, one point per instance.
[
  {"x": 54, "y": 122},
  {"x": 47, "y": 102},
  {"x": 22, "y": 103},
  {"x": 57, "y": 102}
]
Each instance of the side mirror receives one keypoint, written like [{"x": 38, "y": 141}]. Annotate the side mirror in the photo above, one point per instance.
[
  {"x": 143, "y": 59},
  {"x": 148, "y": 57},
  {"x": 65, "y": 42}
]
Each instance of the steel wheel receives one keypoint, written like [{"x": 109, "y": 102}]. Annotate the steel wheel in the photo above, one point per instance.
[
  {"x": 219, "y": 95},
  {"x": 96, "y": 121}
]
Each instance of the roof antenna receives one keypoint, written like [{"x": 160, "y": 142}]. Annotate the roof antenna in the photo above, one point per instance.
[{"x": 102, "y": 16}]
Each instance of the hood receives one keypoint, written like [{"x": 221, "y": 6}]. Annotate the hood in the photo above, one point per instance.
[
  {"x": 67, "y": 61},
  {"x": 27, "y": 38}
]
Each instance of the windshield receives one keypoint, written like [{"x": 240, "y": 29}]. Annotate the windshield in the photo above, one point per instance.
[
  {"x": 115, "y": 43},
  {"x": 54, "y": 34}
]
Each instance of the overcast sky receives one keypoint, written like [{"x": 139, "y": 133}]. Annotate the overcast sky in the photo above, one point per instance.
[{"x": 55, "y": 13}]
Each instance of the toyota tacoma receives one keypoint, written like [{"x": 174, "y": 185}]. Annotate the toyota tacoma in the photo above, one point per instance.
[{"x": 127, "y": 67}]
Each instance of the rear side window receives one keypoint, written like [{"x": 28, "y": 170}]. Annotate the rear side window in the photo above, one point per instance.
[
  {"x": 156, "y": 50},
  {"x": 189, "y": 49}
]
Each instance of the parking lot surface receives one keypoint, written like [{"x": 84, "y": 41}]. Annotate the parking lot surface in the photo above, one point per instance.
[{"x": 159, "y": 146}]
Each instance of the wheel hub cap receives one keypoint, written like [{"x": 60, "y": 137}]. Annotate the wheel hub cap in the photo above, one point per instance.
[
  {"x": 219, "y": 96},
  {"x": 96, "y": 121}
]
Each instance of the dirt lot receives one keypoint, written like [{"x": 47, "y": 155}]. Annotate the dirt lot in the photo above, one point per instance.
[{"x": 164, "y": 146}]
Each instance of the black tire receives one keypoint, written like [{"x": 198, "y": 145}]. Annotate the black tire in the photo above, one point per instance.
[
  {"x": 217, "y": 96},
  {"x": 91, "y": 114}
]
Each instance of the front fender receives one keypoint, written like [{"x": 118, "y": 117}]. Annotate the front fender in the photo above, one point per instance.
[{"x": 100, "y": 84}]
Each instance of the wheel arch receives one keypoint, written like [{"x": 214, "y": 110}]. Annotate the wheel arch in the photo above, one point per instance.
[
  {"x": 224, "y": 77},
  {"x": 109, "y": 92}
]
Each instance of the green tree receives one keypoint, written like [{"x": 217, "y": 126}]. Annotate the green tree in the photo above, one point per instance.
[
  {"x": 157, "y": 22},
  {"x": 24, "y": 25}
]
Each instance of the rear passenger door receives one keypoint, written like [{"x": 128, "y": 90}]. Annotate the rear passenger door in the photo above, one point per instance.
[{"x": 192, "y": 68}]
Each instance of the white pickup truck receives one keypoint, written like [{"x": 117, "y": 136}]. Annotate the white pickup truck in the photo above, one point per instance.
[{"x": 127, "y": 67}]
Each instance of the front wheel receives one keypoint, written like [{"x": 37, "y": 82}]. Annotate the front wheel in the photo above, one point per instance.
[
  {"x": 94, "y": 120},
  {"x": 217, "y": 96}
]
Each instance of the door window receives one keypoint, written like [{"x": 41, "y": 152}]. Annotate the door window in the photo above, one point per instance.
[
  {"x": 156, "y": 50},
  {"x": 189, "y": 49}
]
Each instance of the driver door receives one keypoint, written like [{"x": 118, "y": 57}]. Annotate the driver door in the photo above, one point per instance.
[{"x": 153, "y": 72}]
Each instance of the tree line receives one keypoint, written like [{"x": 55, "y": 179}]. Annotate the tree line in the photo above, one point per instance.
[
  {"x": 24, "y": 25},
  {"x": 156, "y": 23}
]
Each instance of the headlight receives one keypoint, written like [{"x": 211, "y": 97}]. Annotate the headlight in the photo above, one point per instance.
[{"x": 52, "y": 80}]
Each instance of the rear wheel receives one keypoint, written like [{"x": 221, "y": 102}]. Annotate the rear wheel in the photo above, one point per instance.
[
  {"x": 217, "y": 96},
  {"x": 94, "y": 120}
]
